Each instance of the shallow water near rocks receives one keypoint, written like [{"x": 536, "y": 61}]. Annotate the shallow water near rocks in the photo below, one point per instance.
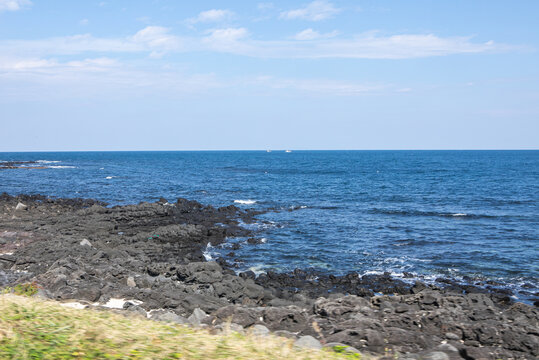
[{"x": 467, "y": 215}]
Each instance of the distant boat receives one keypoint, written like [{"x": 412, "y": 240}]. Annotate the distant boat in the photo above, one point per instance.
[
  {"x": 268, "y": 150},
  {"x": 288, "y": 151}
]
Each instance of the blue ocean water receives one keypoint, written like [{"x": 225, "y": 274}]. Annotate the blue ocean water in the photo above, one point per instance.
[{"x": 468, "y": 215}]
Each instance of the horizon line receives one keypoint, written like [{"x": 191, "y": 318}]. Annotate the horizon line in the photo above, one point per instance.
[{"x": 261, "y": 150}]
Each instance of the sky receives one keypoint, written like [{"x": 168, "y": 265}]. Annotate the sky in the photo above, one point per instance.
[{"x": 233, "y": 75}]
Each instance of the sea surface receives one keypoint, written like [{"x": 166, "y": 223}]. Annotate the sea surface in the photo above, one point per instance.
[{"x": 472, "y": 216}]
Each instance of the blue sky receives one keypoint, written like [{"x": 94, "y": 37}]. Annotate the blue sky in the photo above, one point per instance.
[{"x": 186, "y": 75}]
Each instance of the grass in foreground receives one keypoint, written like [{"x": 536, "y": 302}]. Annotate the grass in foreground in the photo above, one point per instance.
[{"x": 36, "y": 329}]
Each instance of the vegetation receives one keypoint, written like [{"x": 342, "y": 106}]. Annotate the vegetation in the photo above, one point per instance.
[
  {"x": 37, "y": 329},
  {"x": 28, "y": 289}
]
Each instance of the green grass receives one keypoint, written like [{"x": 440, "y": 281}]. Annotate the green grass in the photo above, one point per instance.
[
  {"x": 27, "y": 289},
  {"x": 37, "y": 329}
]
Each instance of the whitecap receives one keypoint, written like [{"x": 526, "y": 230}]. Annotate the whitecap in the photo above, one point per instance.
[
  {"x": 258, "y": 269},
  {"x": 61, "y": 167},
  {"x": 459, "y": 214},
  {"x": 245, "y": 202},
  {"x": 48, "y": 161},
  {"x": 109, "y": 177}
]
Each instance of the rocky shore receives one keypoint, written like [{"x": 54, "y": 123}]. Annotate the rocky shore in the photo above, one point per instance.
[
  {"x": 29, "y": 165},
  {"x": 149, "y": 258}
]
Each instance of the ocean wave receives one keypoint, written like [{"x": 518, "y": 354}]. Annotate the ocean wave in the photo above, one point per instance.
[
  {"x": 245, "y": 202},
  {"x": 61, "y": 167},
  {"x": 48, "y": 161},
  {"x": 208, "y": 252}
]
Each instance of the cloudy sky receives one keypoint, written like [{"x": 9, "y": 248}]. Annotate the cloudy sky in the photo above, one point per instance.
[{"x": 342, "y": 74}]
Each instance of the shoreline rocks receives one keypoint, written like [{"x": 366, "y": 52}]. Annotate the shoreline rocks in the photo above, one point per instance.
[{"x": 153, "y": 253}]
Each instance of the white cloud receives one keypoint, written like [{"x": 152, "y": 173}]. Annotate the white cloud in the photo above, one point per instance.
[
  {"x": 157, "y": 37},
  {"x": 310, "y": 34},
  {"x": 36, "y": 65},
  {"x": 49, "y": 78},
  {"x": 315, "y": 11},
  {"x": 227, "y": 40},
  {"x": 84, "y": 22},
  {"x": 213, "y": 15},
  {"x": 370, "y": 46},
  {"x": 156, "y": 40},
  {"x": 13, "y": 5},
  {"x": 228, "y": 34}
]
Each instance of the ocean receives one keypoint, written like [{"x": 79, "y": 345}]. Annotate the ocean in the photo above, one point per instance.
[{"x": 472, "y": 216}]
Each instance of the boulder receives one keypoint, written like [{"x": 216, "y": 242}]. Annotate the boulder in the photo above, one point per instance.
[
  {"x": 308, "y": 342},
  {"x": 197, "y": 317},
  {"x": 167, "y": 316},
  {"x": 200, "y": 272},
  {"x": 259, "y": 330}
]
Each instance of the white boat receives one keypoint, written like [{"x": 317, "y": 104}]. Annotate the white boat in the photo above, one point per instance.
[
  {"x": 288, "y": 151},
  {"x": 268, "y": 150}
]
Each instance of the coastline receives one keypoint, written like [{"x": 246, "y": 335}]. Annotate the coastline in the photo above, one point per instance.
[{"x": 153, "y": 254}]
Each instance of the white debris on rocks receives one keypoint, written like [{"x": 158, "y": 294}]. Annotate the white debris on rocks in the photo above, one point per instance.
[
  {"x": 20, "y": 206},
  {"x": 85, "y": 242}
]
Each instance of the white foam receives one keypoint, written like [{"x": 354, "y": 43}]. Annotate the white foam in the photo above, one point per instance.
[
  {"x": 109, "y": 177},
  {"x": 258, "y": 269},
  {"x": 61, "y": 167},
  {"x": 207, "y": 253},
  {"x": 459, "y": 214},
  {"x": 263, "y": 240},
  {"x": 48, "y": 161},
  {"x": 372, "y": 272},
  {"x": 245, "y": 202}
]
